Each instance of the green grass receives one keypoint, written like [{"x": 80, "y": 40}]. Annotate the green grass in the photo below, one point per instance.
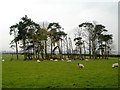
[{"x": 50, "y": 74}]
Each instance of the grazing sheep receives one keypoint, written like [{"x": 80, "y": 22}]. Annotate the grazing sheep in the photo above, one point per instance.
[
  {"x": 51, "y": 59},
  {"x": 62, "y": 59},
  {"x": 3, "y": 60},
  {"x": 86, "y": 60},
  {"x": 68, "y": 61},
  {"x": 67, "y": 58},
  {"x": 115, "y": 65},
  {"x": 38, "y": 61},
  {"x": 81, "y": 66},
  {"x": 55, "y": 60}
]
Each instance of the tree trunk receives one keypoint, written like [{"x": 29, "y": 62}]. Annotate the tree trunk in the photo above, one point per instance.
[
  {"x": 93, "y": 50},
  {"x": 60, "y": 52},
  {"x": 51, "y": 48},
  {"x": 38, "y": 51},
  {"x": 105, "y": 50},
  {"x": 80, "y": 53},
  {"x": 102, "y": 51},
  {"x": 89, "y": 49},
  {"x": 33, "y": 50},
  {"x": 67, "y": 46},
  {"x": 17, "y": 50},
  {"x": 45, "y": 49},
  {"x": 42, "y": 54},
  {"x": 24, "y": 46},
  {"x": 84, "y": 50}
]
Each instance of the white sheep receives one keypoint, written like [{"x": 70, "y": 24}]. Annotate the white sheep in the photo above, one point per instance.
[
  {"x": 62, "y": 59},
  {"x": 38, "y": 61},
  {"x": 68, "y": 61},
  {"x": 3, "y": 60},
  {"x": 81, "y": 66},
  {"x": 86, "y": 60},
  {"x": 67, "y": 58},
  {"x": 51, "y": 59},
  {"x": 55, "y": 60},
  {"x": 115, "y": 65}
]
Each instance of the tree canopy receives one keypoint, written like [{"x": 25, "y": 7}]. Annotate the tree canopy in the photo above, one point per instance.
[{"x": 36, "y": 42}]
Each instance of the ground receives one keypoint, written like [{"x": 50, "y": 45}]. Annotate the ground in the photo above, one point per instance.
[{"x": 50, "y": 74}]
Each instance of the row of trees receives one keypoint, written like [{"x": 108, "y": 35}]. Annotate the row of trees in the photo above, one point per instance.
[
  {"x": 39, "y": 42},
  {"x": 93, "y": 37},
  {"x": 34, "y": 39}
]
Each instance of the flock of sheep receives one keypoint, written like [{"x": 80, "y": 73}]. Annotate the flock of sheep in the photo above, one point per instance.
[{"x": 81, "y": 66}]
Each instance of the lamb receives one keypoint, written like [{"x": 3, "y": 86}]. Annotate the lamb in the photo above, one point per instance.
[
  {"x": 62, "y": 59},
  {"x": 67, "y": 58},
  {"x": 3, "y": 60},
  {"x": 115, "y": 65},
  {"x": 81, "y": 66},
  {"x": 86, "y": 60},
  {"x": 55, "y": 60},
  {"x": 68, "y": 61},
  {"x": 51, "y": 59},
  {"x": 38, "y": 61}
]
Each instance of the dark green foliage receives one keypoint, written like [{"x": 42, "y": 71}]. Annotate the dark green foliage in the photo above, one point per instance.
[
  {"x": 56, "y": 36},
  {"x": 97, "y": 40},
  {"x": 35, "y": 41}
]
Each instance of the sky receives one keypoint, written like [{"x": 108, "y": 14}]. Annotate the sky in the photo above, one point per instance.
[{"x": 68, "y": 13}]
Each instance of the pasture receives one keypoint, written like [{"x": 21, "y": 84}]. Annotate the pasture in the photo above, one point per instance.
[{"x": 50, "y": 74}]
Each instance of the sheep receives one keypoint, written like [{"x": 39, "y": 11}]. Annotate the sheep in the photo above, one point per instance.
[
  {"x": 38, "y": 61},
  {"x": 51, "y": 59},
  {"x": 62, "y": 59},
  {"x": 67, "y": 58},
  {"x": 68, "y": 61},
  {"x": 115, "y": 65},
  {"x": 86, "y": 60},
  {"x": 81, "y": 66},
  {"x": 55, "y": 60},
  {"x": 3, "y": 60}
]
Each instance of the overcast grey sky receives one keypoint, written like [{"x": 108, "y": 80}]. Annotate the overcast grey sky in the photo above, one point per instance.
[{"x": 69, "y": 14}]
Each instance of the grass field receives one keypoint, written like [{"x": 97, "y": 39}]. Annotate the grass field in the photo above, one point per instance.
[{"x": 50, "y": 74}]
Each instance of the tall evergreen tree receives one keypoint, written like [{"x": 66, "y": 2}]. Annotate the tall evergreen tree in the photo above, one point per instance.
[
  {"x": 78, "y": 43},
  {"x": 14, "y": 31},
  {"x": 56, "y": 36}
]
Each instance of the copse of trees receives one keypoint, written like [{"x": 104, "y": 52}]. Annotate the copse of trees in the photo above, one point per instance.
[
  {"x": 56, "y": 37},
  {"x": 33, "y": 39},
  {"x": 39, "y": 42},
  {"x": 98, "y": 43},
  {"x": 26, "y": 35}
]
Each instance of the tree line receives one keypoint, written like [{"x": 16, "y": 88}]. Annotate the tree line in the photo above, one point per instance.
[{"x": 40, "y": 42}]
